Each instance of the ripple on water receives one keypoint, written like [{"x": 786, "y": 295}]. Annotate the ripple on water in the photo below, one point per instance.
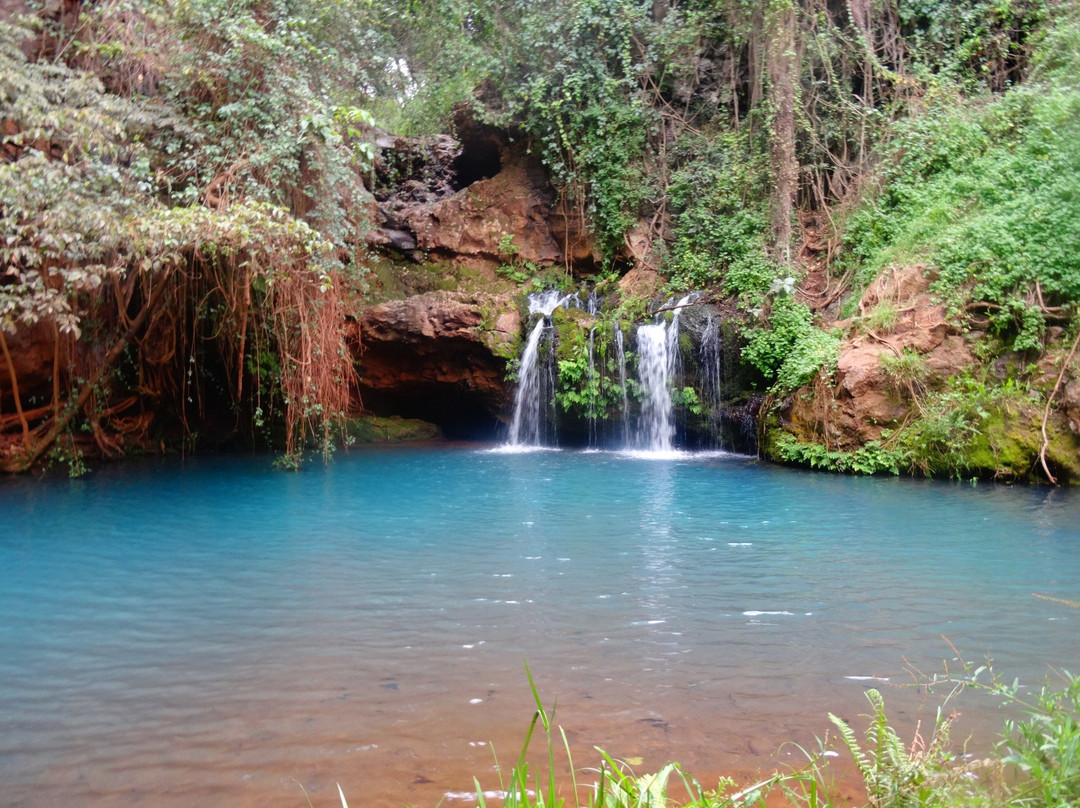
[{"x": 175, "y": 634}]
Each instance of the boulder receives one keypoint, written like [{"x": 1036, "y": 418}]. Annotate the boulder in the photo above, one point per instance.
[
  {"x": 864, "y": 398},
  {"x": 441, "y": 357},
  {"x": 468, "y": 198},
  {"x": 472, "y": 223}
]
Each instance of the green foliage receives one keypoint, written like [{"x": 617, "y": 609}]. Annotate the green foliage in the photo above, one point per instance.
[
  {"x": 272, "y": 124},
  {"x": 883, "y": 317},
  {"x": 907, "y": 371},
  {"x": 1045, "y": 746},
  {"x": 719, "y": 193},
  {"x": 587, "y": 389},
  {"x": 790, "y": 350},
  {"x": 66, "y": 453},
  {"x": 515, "y": 269},
  {"x": 93, "y": 240},
  {"x": 579, "y": 384},
  {"x": 575, "y": 92},
  {"x": 985, "y": 194},
  {"x": 977, "y": 43},
  {"x": 435, "y": 54},
  {"x": 940, "y": 439},
  {"x": 871, "y": 458},
  {"x": 813, "y": 352},
  {"x": 896, "y": 777},
  {"x": 950, "y": 432},
  {"x": 686, "y": 398}
]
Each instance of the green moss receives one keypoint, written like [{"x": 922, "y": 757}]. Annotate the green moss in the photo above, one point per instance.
[
  {"x": 572, "y": 327},
  {"x": 369, "y": 429},
  {"x": 1003, "y": 448},
  {"x": 387, "y": 284},
  {"x": 1007, "y": 447}
]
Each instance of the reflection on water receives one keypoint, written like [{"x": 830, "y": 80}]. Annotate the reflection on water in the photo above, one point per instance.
[{"x": 179, "y": 634}]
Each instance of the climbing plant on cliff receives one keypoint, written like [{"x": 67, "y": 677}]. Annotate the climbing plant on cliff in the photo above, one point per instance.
[
  {"x": 984, "y": 192},
  {"x": 573, "y": 84}
]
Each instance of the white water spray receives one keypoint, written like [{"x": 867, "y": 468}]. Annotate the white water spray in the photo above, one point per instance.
[
  {"x": 658, "y": 348},
  {"x": 526, "y": 427}
]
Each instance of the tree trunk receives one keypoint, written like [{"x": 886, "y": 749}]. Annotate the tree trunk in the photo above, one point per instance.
[{"x": 782, "y": 64}]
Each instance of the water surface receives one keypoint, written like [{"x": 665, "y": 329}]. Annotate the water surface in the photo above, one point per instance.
[{"x": 175, "y": 634}]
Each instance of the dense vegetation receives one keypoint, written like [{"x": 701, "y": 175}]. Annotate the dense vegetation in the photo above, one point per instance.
[{"x": 186, "y": 186}]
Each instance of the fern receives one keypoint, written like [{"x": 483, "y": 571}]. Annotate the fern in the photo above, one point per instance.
[
  {"x": 896, "y": 776},
  {"x": 847, "y": 734}
]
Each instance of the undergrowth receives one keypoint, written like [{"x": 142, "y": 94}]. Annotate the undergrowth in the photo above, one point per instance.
[
  {"x": 983, "y": 191},
  {"x": 941, "y": 437}
]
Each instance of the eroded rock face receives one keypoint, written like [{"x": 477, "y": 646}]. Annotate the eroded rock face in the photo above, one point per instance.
[
  {"x": 440, "y": 356},
  {"x": 865, "y": 398},
  {"x": 472, "y": 223},
  {"x": 1070, "y": 400},
  {"x": 458, "y": 198},
  {"x": 474, "y": 201}
]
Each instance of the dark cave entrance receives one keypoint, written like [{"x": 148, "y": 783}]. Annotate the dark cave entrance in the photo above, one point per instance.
[{"x": 480, "y": 158}]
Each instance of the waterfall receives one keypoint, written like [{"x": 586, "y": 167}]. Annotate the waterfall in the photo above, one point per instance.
[
  {"x": 592, "y": 304},
  {"x": 658, "y": 368},
  {"x": 535, "y": 383},
  {"x": 658, "y": 348},
  {"x": 620, "y": 360},
  {"x": 591, "y": 379},
  {"x": 711, "y": 358}
]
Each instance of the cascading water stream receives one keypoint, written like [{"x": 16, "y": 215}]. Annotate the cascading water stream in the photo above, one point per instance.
[
  {"x": 659, "y": 372},
  {"x": 526, "y": 427},
  {"x": 592, "y": 378},
  {"x": 658, "y": 348},
  {"x": 620, "y": 359},
  {"x": 711, "y": 359}
]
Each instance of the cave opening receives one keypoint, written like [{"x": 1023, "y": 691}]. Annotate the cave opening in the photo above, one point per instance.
[
  {"x": 458, "y": 414},
  {"x": 480, "y": 159}
]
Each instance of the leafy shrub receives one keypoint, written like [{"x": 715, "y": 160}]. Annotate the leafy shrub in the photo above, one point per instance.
[
  {"x": 94, "y": 242},
  {"x": 871, "y": 458},
  {"x": 907, "y": 372},
  {"x": 939, "y": 440},
  {"x": 985, "y": 190},
  {"x": 573, "y": 88},
  {"x": 719, "y": 190},
  {"x": 1045, "y": 746},
  {"x": 883, "y": 317},
  {"x": 895, "y": 777},
  {"x": 790, "y": 350}
]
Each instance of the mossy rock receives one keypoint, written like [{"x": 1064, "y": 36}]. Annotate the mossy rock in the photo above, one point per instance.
[
  {"x": 369, "y": 429},
  {"x": 1007, "y": 447},
  {"x": 572, "y": 327},
  {"x": 770, "y": 435}
]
